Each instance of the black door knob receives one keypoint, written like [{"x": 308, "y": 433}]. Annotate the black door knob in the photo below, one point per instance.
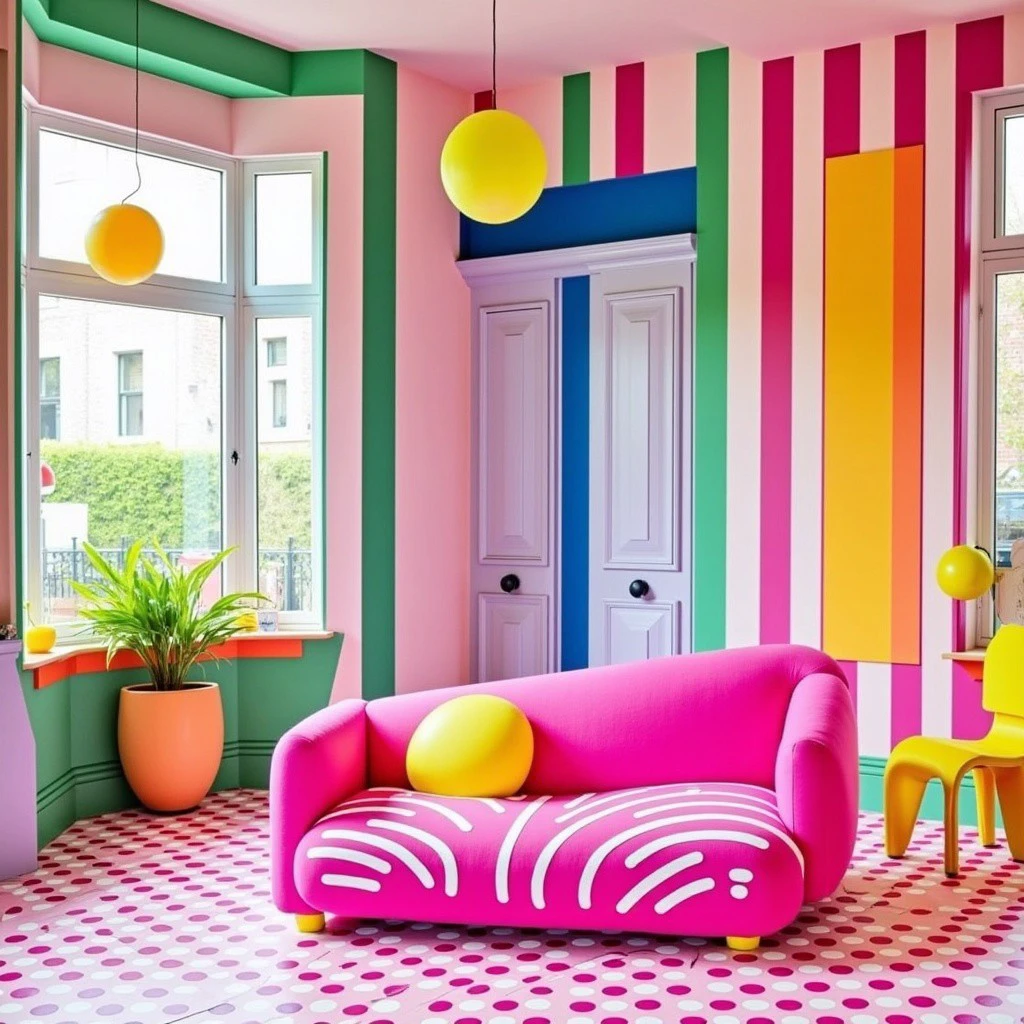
[
  {"x": 509, "y": 583},
  {"x": 639, "y": 588}
]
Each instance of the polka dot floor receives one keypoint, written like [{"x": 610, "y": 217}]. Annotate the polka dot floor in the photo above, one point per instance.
[{"x": 134, "y": 918}]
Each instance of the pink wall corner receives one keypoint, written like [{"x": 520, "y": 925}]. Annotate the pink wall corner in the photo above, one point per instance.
[
  {"x": 331, "y": 124},
  {"x": 433, "y": 400},
  {"x": 166, "y": 109}
]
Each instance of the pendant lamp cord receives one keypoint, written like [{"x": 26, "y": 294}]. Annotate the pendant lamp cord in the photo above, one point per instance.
[
  {"x": 494, "y": 54},
  {"x": 138, "y": 171}
]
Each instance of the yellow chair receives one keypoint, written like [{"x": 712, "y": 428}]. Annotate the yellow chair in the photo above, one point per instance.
[{"x": 997, "y": 761}]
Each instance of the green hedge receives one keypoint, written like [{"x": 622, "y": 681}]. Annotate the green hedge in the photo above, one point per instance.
[{"x": 145, "y": 491}]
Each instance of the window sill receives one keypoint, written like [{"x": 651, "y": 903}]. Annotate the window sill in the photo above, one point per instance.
[{"x": 79, "y": 659}]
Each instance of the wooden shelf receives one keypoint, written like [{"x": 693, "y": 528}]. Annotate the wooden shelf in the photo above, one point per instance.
[{"x": 974, "y": 654}]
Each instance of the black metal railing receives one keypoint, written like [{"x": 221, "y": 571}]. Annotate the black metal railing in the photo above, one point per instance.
[{"x": 285, "y": 574}]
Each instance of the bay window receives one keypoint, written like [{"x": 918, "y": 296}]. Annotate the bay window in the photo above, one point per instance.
[{"x": 185, "y": 411}]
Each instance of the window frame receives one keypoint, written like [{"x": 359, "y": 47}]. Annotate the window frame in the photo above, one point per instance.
[
  {"x": 40, "y": 120},
  {"x": 251, "y": 170},
  {"x": 997, "y": 254},
  {"x": 995, "y": 110},
  {"x": 231, "y": 301}
]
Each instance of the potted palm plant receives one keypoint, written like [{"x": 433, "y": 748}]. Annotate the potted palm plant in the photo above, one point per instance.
[{"x": 170, "y": 731}]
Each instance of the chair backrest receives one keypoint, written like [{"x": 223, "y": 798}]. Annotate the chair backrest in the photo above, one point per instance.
[
  {"x": 717, "y": 717},
  {"x": 1003, "y": 679}
]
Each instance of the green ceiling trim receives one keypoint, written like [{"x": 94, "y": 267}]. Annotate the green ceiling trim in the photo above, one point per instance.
[
  {"x": 329, "y": 72},
  {"x": 193, "y": 52}
]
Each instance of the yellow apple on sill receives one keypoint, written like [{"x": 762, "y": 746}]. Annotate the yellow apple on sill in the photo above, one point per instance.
[
  {"x": 247, "y": 622},
  {"x": 38, "y": 639}
]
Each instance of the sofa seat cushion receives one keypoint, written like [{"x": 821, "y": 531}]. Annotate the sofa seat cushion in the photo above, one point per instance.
[{"x": 692, "y": 858}]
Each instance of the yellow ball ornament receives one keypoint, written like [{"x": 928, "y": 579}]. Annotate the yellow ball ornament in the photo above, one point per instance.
[
  {"x": 477, "y": 745},
  {"x": 493, "y": 166},
  {"x": 124, "y": 244},
  {"x": 964, "y": 573}
]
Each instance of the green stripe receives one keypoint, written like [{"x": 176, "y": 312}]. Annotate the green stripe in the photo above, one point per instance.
[
  {"x": 576, "y": 129},
  {"x": 380, "y": 138},
  {"x": 711, "y": 350}
]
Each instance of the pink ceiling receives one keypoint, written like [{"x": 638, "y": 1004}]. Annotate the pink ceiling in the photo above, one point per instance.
[{"x": 450, "y": 39}]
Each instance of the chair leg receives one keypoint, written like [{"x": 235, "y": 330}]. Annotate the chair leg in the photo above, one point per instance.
[
  {"x": 904, "y": 792},
  {"x": 951, "y": 826},
  {"x": 1010, "y": 787},
  {"x": 984, "y": 787}
]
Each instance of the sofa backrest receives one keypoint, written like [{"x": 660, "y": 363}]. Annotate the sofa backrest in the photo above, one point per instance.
[{"x": 699, "y": 717}]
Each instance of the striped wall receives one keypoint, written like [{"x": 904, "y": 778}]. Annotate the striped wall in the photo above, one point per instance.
[{"x": 760, "y": 134}]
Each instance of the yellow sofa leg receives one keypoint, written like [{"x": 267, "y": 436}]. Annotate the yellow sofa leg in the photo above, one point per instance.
[
  {"x": 309, "y": 923},
  {"x": 742, "y": 943}
]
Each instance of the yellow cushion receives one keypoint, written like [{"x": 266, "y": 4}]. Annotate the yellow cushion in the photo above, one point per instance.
[{"x": 476, "y": 745}]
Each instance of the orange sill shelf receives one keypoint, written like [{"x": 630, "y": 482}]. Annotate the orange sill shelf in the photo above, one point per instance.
[{"x": 58, "y": 664}]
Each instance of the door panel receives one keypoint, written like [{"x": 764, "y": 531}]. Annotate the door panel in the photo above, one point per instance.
[
  {"x": 636, "y": 631},
  {"x": 513, "y": 636},
  {"x": 642, "y": 431},
  {"x": 640, "y": 498},
  {"x": 514, "y": 437},
  {"x": 513, "y": 567}
]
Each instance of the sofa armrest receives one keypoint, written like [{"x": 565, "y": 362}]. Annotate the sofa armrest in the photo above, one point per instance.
[
  {"x": 817, "y": 780},
  {"x": 315, "y": 766}
]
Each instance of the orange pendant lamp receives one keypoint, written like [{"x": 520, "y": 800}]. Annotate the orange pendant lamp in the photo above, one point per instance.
[
  {"x": 124, "y": 243},
  {"x": 493, "y": 165}
]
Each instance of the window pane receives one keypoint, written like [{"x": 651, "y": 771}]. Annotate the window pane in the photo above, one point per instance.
[
  {"x": 284, "y": 437},
  {"x": 159, "y": 482},
  {"x": 79, "y": 177},
  {"x": 1009, "y": 469},
  {"x": 1013, "y": 176},
  {"x": 284, "y": 228}
]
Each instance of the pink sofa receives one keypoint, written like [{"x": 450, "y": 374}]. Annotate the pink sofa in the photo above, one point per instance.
[{"x": 710, "y": 794}]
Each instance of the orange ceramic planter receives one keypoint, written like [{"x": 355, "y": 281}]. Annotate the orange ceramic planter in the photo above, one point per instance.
[{"x": 171, "y": 743}]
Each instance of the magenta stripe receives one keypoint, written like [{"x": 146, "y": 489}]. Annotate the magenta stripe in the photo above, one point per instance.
[
  {"x": 979, "y": 65},
  {"x": 906, "y": 702},
  {"x": 970, "y": 720},
  {"x": 629, "y": 119},
  {"x": 841, "y": 136},
  {"x": 842, "y": 100},
  {"x": 911, "y": 54},
  {"x": 776, "y": 346},
  {"x": 850, "y": 671},
  {"x": 909, "y": 130}
]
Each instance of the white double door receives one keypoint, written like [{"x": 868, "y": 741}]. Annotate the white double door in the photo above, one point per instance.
[{"x": 638, "y": 594}]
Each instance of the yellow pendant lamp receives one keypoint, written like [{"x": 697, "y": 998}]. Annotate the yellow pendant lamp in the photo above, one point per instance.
[
  {"x": 124, "y": 243},
  {"x": 493, "y": 165}
]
